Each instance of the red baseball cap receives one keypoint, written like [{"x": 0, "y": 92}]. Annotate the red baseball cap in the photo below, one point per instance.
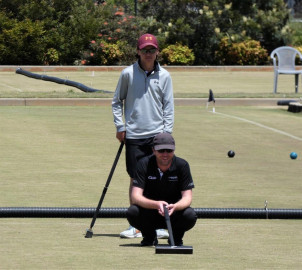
[{"x": 147, "y": 40}]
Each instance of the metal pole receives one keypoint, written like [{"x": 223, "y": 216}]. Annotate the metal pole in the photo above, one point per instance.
[{"x": 135, "y": 7}]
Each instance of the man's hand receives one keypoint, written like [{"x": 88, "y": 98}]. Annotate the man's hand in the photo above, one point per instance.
[
  {"x": 161, "y": 210},
  {"x": 121, "y": 136},
  {"x": 171, "y": 208}
]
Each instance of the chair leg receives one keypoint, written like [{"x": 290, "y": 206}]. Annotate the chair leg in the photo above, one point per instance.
[
  {"x": 296, "y": 83},
  {"x": 275, "y": 82}
]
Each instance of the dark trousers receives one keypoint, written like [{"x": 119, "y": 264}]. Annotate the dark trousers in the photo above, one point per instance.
[
  {"x": 135, "y": 150},
  {"x": 149, "y": 220}
]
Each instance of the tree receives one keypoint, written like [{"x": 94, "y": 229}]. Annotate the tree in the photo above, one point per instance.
[
  {"x": 63, "y": 27},
  {"x": 116, "y": 40},
  {"x": 61, "y": 31},
  {"x": 20, "y": 42},
  {"x": 201, "y": 24}
]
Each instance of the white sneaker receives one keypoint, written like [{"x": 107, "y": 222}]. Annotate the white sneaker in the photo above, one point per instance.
[
  {"x": 162, "y": 234},
  {"x": 131, "y": 232}
]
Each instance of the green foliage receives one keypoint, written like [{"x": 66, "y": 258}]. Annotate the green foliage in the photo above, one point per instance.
[
  {"x": 115, "y": 42},
  {"x": 248, "y": 52},
  {"x": 41, "y": 27},
  {"x": 51, "y": 57},
  {"x": 21, "y": 42},
  {"x": 201, "y": 24},
  {"x": 177, "y": 55},
  {"x": 299, "y": 48},
  {"x": 103, "y": 53},
  {"x": 61, "y": 31},
  {"x": 297, "y": 33}
]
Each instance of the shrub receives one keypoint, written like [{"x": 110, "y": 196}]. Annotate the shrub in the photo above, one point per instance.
[
  {"x": 51, "y": 57},
  {"x": 299, "y": 48},
  {"x": 102, "y": 53},
  {"x": 21, "y": 42},
  {"x": 248, "y": 52},
  {"x": 177, "y": 55},
  {"x": 296, "y": 28}
]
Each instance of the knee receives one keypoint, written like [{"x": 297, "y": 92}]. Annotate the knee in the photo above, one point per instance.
[
  {"x": 132, "y": 212},
  {"x": 190, "y": 216}
]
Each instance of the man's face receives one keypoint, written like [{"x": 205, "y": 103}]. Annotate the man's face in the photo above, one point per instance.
[
  {"x": 164, "y": 157},
  {"x": 148, "y": 54}
]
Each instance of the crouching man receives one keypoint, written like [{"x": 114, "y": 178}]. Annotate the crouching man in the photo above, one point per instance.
[{"x": 162, "y": 179}]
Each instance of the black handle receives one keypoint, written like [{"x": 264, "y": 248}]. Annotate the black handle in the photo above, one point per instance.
[{"x": 169, "y": 227}]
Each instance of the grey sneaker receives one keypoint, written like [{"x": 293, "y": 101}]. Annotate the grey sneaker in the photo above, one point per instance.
[
  {"x": 131, "y": 232},
  {"x": 162, "y": 234}
]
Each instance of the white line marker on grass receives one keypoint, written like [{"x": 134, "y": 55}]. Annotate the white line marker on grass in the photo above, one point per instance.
[
  {"x": 260, "y": 125},
  {"x": 19, "y": 90}
]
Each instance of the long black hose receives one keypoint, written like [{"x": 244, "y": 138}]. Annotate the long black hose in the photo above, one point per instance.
[
  {"x": 210, "y": 213},
  {"x": 78, "y": 85}
]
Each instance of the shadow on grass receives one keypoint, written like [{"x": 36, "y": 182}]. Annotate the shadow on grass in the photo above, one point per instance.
[
  {"x": 105, "y": 234},
  {"x": 131, "y": 245}
]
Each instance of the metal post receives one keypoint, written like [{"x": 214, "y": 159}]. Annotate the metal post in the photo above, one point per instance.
[{"x": 135, "y": 7}]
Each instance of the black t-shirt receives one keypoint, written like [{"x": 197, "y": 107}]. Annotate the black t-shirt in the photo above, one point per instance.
[{"x": 167, "y": 187}]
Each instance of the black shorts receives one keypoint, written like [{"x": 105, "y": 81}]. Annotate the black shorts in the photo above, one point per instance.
[{"x": 135, "y": 150}]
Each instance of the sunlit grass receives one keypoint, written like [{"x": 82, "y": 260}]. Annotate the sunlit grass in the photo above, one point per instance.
[
  {"x": 186, "y": 84},
  {"x": 61, "y": 157}
]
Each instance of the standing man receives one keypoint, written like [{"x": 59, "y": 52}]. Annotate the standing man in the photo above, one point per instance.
[
  {"x": 162, "y": 180},
  {"x": 144, "y": 96}
]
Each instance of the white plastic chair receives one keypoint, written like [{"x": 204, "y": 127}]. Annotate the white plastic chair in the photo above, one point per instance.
[{"x": 285, "y": 64}]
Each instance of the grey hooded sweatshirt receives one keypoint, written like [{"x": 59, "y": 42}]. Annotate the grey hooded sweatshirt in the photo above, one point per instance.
[{"x": 146, "y": 102}]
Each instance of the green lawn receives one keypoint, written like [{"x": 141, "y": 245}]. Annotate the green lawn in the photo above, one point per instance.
[
  {"x": 217, "y": 244},
  {"x": 61, "y": 157},
  {"x": 186, "y": 84}
]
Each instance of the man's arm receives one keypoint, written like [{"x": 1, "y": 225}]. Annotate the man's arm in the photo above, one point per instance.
[
  {"x": 168, "y": 106},
  {"x": 117, "y": 111},
  {"x": 139, "y": 199},
  {"x": 118, "y": 104},
  {"x": 183, "y": 203}
]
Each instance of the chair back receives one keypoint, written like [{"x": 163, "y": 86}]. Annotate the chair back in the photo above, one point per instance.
[{"x": 286, "y": 57}]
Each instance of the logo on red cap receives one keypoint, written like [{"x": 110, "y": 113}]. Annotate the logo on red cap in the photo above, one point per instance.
[{"x": 147, "y": 40}]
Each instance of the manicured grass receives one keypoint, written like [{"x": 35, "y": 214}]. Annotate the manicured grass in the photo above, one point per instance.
[
  {"x": 218, "y": 244},
  {"x": 65, "y": 155},
  {"x": 186, "y": 84},
  {"x": 61, "y": 156}
]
